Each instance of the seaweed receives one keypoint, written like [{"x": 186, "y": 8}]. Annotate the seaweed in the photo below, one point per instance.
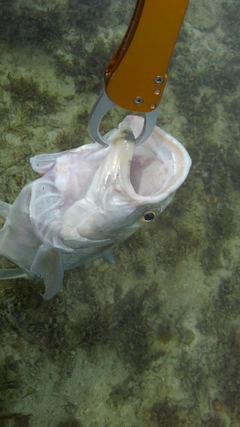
[
  {"x": 67, "y": 140},
  {"x": 164, "y": 415},
  {"x": 122, "y": 392},
  {"x": 125, "y": 327},
  {"x": 26, "y": 93},
  {"x": 215, "y": 422},
  {"x": 66, "y": 67},
  {"x": 38, "y": 26},
  {"x": 43, "y": 25},
  {"x": 9, "y": 23},
  {"x": 78, "y": 14},
  {"x": 71, "y": 423},
  {"x": 90, "y": 77},
  {"x": 87, "y": 14},
  {"x": 222, "y": 324},
  {"x": 230, "y": 20},
  {"x": 20, "y": 420}
]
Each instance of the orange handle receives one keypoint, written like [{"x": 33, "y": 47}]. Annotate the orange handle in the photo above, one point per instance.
[{"x": 136, "y": 76}]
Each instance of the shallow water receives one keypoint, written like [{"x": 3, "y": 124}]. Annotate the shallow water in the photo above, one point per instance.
[{"x": 154, "y": 339}]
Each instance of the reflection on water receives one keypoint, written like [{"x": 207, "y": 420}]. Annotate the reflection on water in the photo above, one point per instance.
[{"x": 155, "y": 338}]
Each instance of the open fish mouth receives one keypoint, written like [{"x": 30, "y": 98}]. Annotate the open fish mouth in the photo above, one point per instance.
[{"x": 151, "y": 171}]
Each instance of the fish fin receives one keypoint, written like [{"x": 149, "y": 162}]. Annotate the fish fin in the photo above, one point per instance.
[
  {"x": 45, "y": 212},
  {"x": 5, "y": 208},
  {"x": 43, "y": 162},
  {"x": 12, "y": 273},
  {"x": 48, "y": 265},
  {"x": 109, "y": 256}
]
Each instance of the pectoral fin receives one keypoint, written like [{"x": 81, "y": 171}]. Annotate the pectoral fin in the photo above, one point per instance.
[
  {"x": 109, "y": 256},
  {"x": 5, "y": 209},
  {"x": 48, "y": 265},
  {"x": 12, "y": 273},
  {"x": 43, "y": 162}
]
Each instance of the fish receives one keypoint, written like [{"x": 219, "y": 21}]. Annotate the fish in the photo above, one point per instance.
[{"x": 87, "y": 200}]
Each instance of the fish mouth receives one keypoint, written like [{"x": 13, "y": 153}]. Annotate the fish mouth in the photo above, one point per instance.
[
  {"x": 158, "y": 166},
  {"x": 147, "y": 173}
]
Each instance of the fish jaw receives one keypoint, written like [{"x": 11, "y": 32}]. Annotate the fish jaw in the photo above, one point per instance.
[
  {"x": 111, "y": 188},
  {"x": 111, "y": 183}
]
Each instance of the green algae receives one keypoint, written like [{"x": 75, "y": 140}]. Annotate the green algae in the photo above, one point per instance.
[{"x": 32, "y": 100}]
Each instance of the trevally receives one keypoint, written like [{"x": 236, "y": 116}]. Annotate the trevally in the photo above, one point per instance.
[{"x": 88, "y": 200}]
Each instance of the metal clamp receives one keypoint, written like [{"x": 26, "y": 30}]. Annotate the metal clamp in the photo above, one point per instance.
[{"x": 103, "y": 105}]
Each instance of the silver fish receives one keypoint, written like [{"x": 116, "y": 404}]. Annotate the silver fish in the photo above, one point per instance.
[{"x": 88, "y": 200}]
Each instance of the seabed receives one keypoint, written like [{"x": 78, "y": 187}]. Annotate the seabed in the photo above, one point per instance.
[{"x": 154, "y": 339}]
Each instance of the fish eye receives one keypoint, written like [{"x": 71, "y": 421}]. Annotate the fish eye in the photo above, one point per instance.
[{"x": 148, "y": 216}]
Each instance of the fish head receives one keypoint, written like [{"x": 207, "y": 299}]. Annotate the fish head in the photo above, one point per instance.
[{"x": 130, "y": 187}]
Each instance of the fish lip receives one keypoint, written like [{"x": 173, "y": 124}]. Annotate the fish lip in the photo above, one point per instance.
[{"x": 113, "y": 175}]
